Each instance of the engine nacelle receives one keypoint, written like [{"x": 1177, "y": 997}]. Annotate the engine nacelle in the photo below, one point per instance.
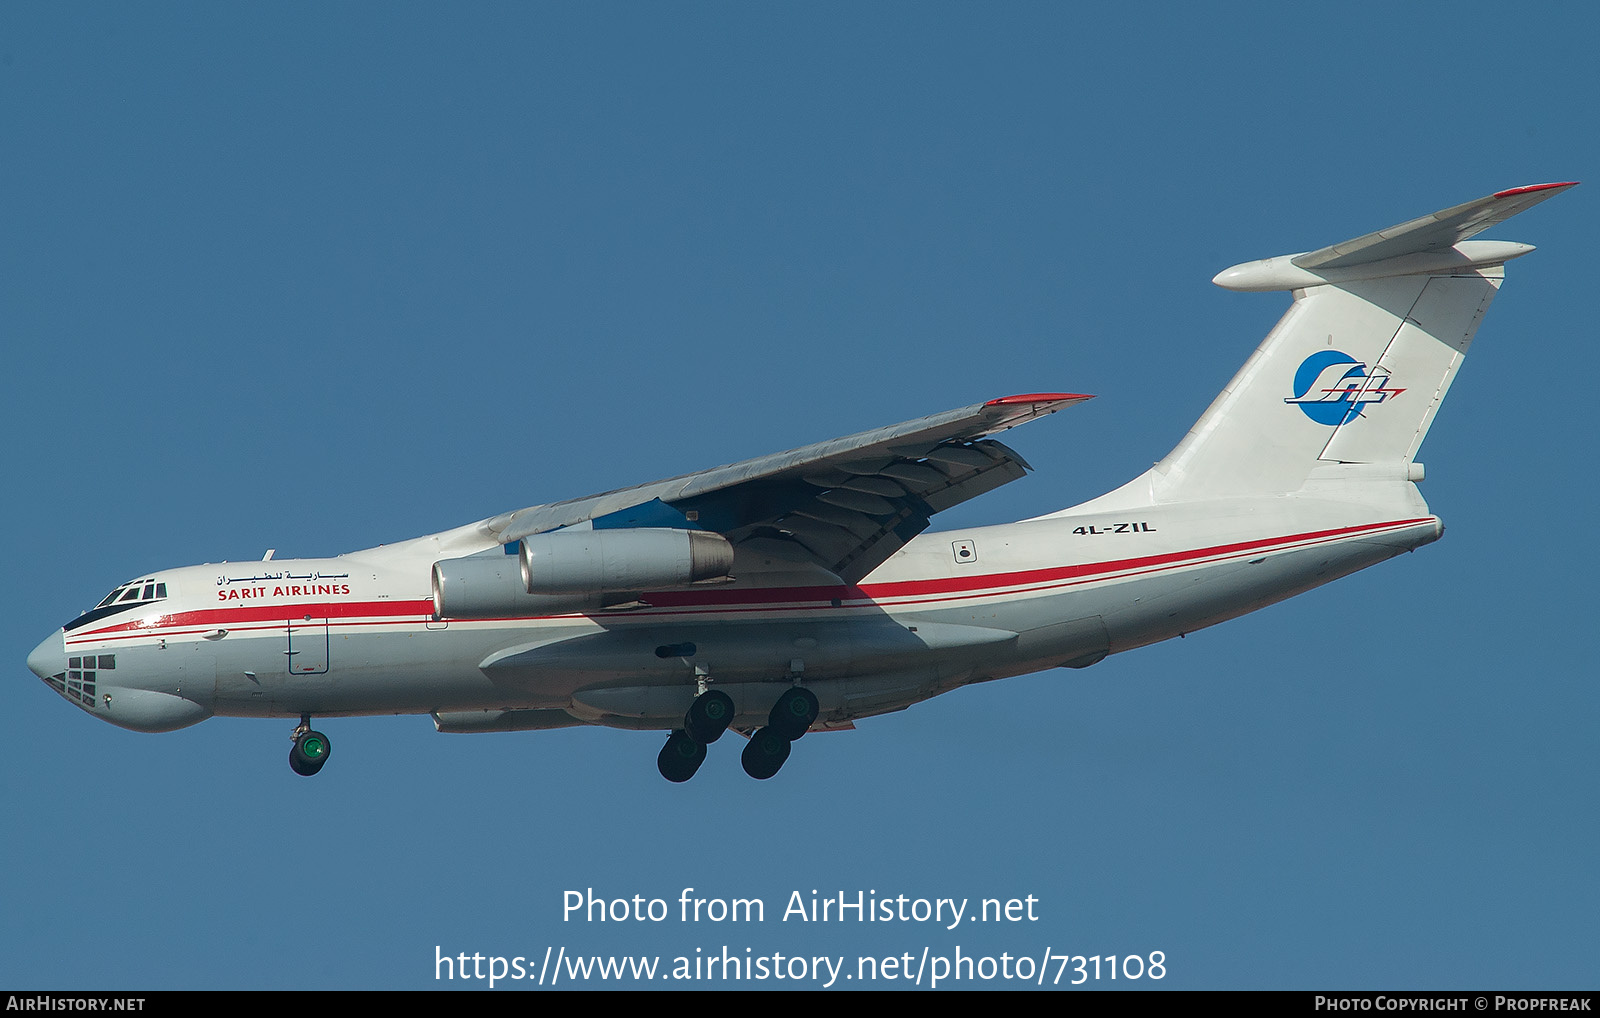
[
  {"x": 490, "y": 587},
  {"x": 597, "y": 561},
  {"x": 576, "y": 571}
]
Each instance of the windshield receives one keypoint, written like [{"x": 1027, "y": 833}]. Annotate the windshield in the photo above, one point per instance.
[{"x": 129, "y": 595}]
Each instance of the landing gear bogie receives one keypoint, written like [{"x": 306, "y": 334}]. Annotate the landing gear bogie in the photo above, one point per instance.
[{"x": 765, "y": 752}]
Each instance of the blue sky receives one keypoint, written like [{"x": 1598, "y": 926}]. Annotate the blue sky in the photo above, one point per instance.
[{"x": 314, "y": 277}]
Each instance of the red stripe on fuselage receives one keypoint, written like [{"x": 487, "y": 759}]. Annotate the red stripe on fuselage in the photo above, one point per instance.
[
  {"x": 959, "y": 584},
  {"x": 283, "y": 613},
  {"x": 902, "y": 592}
]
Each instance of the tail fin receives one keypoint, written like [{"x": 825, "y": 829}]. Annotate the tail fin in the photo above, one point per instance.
[{"x": 1356, "y": 369}]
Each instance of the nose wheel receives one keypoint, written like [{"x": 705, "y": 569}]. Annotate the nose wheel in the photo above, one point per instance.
[{"x": 310, "y": 749}]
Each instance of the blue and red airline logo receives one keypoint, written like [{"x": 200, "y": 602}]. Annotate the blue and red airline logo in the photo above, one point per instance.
[{"x": 1331, "y": 387}]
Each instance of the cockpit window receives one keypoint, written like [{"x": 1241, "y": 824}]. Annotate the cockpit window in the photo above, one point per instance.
[{"x": 129, "y": 595}]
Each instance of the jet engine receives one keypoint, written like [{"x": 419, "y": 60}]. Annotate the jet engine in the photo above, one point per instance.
[
  {"x": 573, "y": 571},
  {"x": 490, "y": 587},
  {"x": 589, "y": 561}
]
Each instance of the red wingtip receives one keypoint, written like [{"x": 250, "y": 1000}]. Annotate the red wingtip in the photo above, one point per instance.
[
  {"x": 1040, "y": 397},
  {"x": 1535, "y": 187}
]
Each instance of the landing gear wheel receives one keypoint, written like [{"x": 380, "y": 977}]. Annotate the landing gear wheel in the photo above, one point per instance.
[
  {"x": 680, "y": 757},
  {"x": 765, "y": 753},
  {"x": 708, "y": 716},
  {"x": 309, "y": 753},
  {"x": 794, "y": 712}
]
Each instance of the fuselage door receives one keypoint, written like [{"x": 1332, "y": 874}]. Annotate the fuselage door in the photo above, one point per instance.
[{"x": 308, "y": 646}]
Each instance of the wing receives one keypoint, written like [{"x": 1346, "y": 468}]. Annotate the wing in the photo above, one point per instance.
[{"x": 847, "y": 504}]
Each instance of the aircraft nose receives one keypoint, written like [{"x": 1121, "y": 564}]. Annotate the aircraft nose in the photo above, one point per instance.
[{"x": 50, "y": 657}]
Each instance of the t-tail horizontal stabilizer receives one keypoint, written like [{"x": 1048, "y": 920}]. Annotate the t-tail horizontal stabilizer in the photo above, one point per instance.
[
  {"x": 1432, "y": 244},
  {"x": 1357, "y": 368}
]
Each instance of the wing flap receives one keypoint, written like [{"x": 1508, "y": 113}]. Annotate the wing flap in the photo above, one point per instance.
[{"x": 863, "y": 508}]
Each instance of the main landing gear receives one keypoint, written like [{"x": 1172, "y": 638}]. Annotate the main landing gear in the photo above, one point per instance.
[
  {"x": 703, "y": 724},
  {"x": 310, "y": 749},
  {"x": 708, "y": 717},
  {"x": 768, "y": 747}
]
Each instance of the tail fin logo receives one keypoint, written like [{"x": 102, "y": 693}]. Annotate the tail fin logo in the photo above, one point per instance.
[{"x": 1331, "y": 387}]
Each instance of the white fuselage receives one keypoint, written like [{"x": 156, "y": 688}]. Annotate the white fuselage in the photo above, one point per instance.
[{"x": 357, "y": 634}]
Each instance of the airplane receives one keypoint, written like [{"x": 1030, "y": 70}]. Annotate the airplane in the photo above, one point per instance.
[{"x": 801, "y": 591}]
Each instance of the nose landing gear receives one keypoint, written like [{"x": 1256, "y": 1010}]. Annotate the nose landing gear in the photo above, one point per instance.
[{"x": 310, "y": 749}]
